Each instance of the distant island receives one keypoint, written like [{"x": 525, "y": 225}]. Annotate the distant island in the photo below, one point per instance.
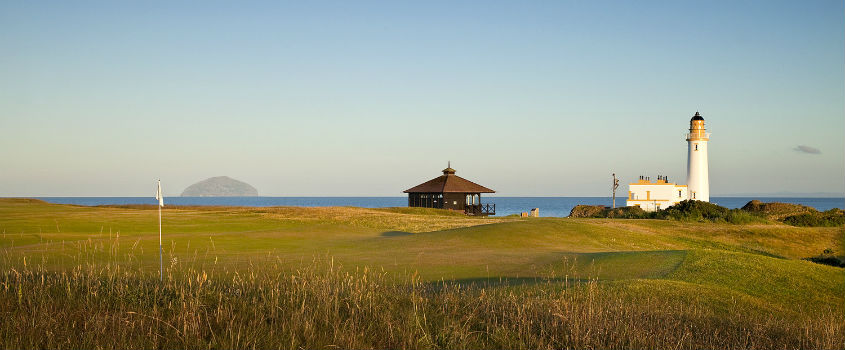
[{"x": 220, "y": 186}]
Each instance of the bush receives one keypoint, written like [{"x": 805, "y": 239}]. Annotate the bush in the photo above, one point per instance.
[
  {"x": 629, "y": 213},
  {"x": 831, "y": 218},
  {"x": 586, "y": 211},
  {"x": 692, "y": 210},
  {"x": 600, "y": 211},
  {"x": 753, "y": 212}
]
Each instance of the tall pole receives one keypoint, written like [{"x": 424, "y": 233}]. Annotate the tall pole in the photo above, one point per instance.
[
  {"x": 160, "y": 253},
  {"x": 615, "y": 186}
]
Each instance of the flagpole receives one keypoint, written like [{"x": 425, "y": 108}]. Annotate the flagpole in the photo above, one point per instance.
[{"x": 160, "y": 254}]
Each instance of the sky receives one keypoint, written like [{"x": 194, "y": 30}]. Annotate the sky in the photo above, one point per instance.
[{"x": 348, "y": 98}]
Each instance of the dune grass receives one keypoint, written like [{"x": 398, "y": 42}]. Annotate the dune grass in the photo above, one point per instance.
[
  {"x": 409, "y": 278},
  {"x": 321, "y": 305}
]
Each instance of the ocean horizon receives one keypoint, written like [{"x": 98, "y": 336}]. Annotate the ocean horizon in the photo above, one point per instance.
[{"x": 549, "y": 206}]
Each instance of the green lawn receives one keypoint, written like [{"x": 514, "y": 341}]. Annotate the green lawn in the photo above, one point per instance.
[{"x": 760, "y": 263}]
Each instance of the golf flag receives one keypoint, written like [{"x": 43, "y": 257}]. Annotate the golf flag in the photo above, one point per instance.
[{"x": 159, "y": 196}]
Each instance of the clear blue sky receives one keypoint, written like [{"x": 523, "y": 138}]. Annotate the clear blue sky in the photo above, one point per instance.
[{"x": 370, "y": 98}]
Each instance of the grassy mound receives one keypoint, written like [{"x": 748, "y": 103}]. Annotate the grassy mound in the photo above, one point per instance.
[
  {"x": 587, "y": 211},
  {"x": 796, "y": 214},
  {"x": 775, "y": 210},
  {"x": 830, "y": 218},
  {"x": 784, "y": 283}
]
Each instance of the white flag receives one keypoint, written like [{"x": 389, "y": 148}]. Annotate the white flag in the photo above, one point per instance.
[{"x": 159, "y": 196}]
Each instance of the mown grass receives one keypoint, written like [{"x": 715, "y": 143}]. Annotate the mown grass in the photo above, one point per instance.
[{"x": 390, "y": 278}]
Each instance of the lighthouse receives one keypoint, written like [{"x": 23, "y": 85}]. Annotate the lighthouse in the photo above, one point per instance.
[
  {"x": 698, "y": 182},
  {"x": 662, "y": 194}
]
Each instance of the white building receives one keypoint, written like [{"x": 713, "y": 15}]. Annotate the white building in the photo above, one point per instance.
[
  {"x": 651, "y": 196},
  {"x": 663, "y": 194}
]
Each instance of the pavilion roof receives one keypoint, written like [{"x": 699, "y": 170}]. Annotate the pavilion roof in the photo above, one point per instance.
[{"x": 449, "y": 183}]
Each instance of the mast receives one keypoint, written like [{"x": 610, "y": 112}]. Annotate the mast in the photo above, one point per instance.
[{"x": 615, "y": 186}]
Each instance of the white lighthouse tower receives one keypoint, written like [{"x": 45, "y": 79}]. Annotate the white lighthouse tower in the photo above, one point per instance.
[{"x": 698, "y": 182}]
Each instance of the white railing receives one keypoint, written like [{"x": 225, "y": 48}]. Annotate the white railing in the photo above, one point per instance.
[{"x": 697, "y": 135}]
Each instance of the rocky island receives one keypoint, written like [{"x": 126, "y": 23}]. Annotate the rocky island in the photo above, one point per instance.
[{"x": 220, "y": 186}]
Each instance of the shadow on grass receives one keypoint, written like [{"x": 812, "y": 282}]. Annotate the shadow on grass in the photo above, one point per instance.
[
  {"x": 483, "y": 282},
  {"x": 395, "y": 234}
]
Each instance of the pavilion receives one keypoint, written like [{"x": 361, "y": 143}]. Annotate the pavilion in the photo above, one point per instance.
[{"x": 453, "y": 192}]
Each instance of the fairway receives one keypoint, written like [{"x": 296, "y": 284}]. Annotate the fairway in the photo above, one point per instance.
[
  {"x": 724, "y": 269},
  {"x": 436, "y": 244}
]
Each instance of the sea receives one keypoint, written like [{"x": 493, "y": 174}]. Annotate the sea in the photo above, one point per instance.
[{"x": 549, "y": 206}]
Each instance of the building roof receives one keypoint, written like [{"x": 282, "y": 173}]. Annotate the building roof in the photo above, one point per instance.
[
  {"x": 647, "y": 182},
  {"x": 449, "y": 183},
  {"x": 697, "y": 116}
]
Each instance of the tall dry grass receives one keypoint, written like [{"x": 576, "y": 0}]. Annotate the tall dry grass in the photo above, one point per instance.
[{"x": 324, "y": 306}]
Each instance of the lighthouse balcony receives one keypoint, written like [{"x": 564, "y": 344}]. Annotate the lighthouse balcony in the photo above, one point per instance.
[{"x": 697, "y": 135}]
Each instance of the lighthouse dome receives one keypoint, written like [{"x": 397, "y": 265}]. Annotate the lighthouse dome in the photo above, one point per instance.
[{"x": 697, "y": 117}]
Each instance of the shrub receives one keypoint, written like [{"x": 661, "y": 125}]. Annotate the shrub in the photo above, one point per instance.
[
  {"x": 830, "y": 218},
  {"x": 629, "y": 213},
  {"x": 692, "y": 210},
  {"x": 600, "y": 211},
  {"x": 586, "y": 211}
]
